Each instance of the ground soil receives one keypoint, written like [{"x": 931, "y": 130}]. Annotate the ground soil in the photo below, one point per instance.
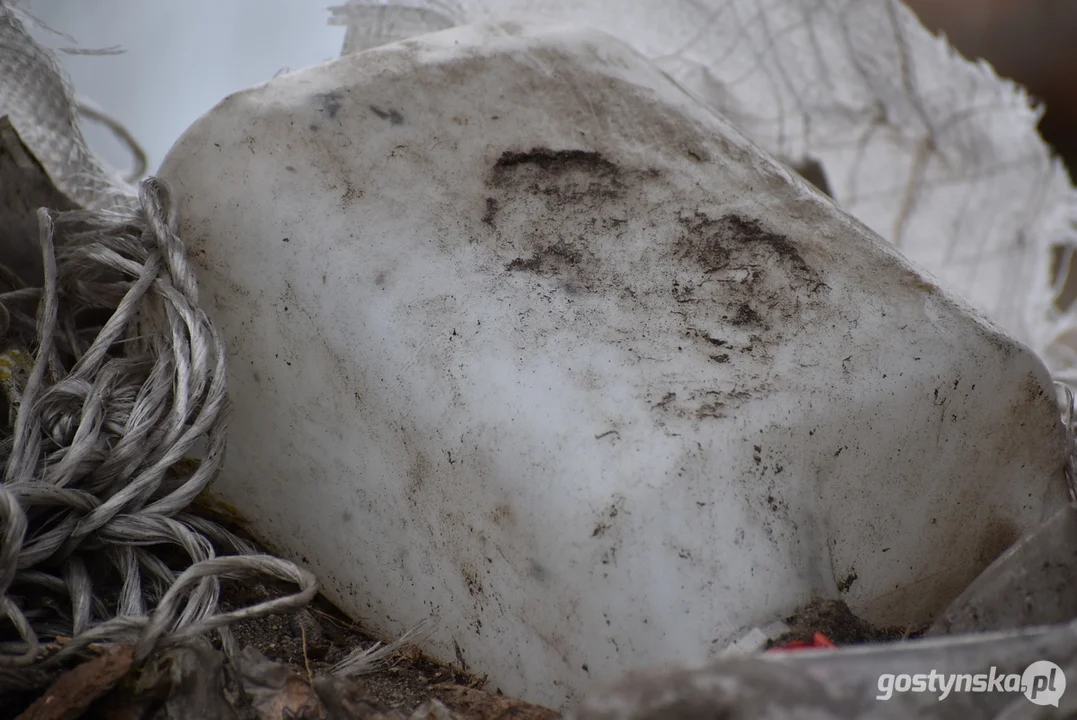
[
  {"x": 320, "y": 635},
  {"x": 836, "y": 621}
]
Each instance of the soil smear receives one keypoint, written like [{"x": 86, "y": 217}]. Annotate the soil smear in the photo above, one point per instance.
[{"x": 834, "y": 619}]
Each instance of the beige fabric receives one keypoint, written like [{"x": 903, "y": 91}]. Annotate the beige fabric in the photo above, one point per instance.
[{"x": 36, "y": 97}]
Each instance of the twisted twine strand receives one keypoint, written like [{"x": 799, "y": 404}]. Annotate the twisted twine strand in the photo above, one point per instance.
[{"x": 126, "y": 383}]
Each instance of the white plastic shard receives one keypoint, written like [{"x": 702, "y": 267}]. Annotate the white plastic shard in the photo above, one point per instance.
[{"x": 525, "y": 338}]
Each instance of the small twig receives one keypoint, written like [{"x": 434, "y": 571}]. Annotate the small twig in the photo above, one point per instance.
[{"x": 306, "y": 660}]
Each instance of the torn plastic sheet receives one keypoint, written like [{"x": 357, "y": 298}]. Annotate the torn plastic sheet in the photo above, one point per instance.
[
  {"x": 1029, "y": 586},
  {"x": 872, "y": 681},
  {"x": 1033, "y": 583},
  {"x": 935, "y": 153}
]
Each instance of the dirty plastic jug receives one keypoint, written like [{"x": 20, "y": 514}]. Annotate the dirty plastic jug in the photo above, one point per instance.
[{"x": 526, "y": 339}]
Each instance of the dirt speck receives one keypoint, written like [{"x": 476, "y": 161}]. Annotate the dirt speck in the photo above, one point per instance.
[
  {"x": 349, "y": 195},
  {"x": 393, "y": 116},
  {"x": 548, "y": 260},
  {"x": 471, "y": 580},
  {"x": 503, "y": 515},
  {"x": 491, "y": 211},
  {"x": 1031, "y": 388},
  {"x": 847, "y": 582},
  {"x": 418, "y": 471},
  {"x": 666, "y": 400},
  {"x": 330, "y": 103},
  {"x": 746, "y": 316}
]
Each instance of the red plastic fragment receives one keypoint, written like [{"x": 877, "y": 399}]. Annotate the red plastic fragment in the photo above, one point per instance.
[{"x": 819, "y": 640}]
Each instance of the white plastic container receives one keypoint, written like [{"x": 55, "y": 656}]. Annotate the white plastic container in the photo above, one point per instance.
[{"x": 524, "y": 338}]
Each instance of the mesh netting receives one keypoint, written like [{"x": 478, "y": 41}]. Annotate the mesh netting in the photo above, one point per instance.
[{"x": 38, "y": 100}]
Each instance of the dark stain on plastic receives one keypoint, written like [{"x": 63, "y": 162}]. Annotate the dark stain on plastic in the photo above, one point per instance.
[
  {"x": 738, "y": 278},
  {"x": 491, "y": 211},
  {"x": 393, "y": 116},
  {"x": 548, "y": 260},
  {"x": 556, "y": 161},
  {"x": 471, "y": 580},
  {"x": 847, "y": 582},
  {"x": 711, "y": 243},
  {"x": 995, "y": 538},
  {"x": 503, "y": 516},
  {"x": 331, "y": 103},
  {"x": 537, "y": 572},
  {"x": 746, "y": 316}
]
